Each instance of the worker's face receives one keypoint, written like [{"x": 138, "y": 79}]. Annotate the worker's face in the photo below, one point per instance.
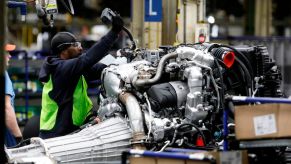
[{"x": 75, "y": 50}]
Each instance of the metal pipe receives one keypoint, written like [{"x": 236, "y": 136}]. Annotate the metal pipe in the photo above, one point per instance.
[
  {"x": 212, "y": 79},
  {"x": 134, "y": 114},
  {"x": 177, "y": 156},
  {"x": 148, "y": 119},
  {"x": 142, "y": 82},
  {"x": 181, "y": 150},
  {"x": 260, "y": 99}
]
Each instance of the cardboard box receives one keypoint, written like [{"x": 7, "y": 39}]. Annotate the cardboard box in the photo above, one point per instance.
[{"x": 265, "y": 121}]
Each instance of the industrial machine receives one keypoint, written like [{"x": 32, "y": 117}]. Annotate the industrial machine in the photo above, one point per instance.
[{"x": 167, "y": 97}]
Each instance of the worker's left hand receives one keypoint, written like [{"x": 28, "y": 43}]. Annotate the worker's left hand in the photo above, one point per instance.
[
  {"x": 18, "y": 139},
  {"x": 97, "y": 120},
  {"x": 117, "y": 23}
]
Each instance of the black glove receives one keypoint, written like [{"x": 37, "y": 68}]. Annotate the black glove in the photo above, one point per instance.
[
  {"x": 117, "y": 23},
  {"x": 18, "y": 139}
]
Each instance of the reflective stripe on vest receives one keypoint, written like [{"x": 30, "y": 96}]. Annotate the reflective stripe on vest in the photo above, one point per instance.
[{"x": 81, "y": 105}]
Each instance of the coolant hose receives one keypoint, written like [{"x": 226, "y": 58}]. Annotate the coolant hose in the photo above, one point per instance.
[
  {"x": 241, "y": 57},
  {"x": 249, "y": 76},
  {"x": 164, "y": 59}
]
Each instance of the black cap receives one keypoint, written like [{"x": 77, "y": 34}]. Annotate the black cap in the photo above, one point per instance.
[{"x": 57, "y": 42}]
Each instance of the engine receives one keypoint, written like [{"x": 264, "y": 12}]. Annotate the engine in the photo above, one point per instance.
[{"x": 173, "y": 96}]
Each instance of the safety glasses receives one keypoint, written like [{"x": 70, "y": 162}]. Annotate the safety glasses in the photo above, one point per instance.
[{"x": 74, "y": 44}]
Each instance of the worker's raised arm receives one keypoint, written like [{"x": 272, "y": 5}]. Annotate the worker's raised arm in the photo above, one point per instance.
[{"x": 97, "y": 51}]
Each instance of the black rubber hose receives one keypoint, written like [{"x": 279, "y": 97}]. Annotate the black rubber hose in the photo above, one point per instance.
[
  {"x": 210, "y": 46},
  {"x": 245, "y": 80},
  {"x": 217, "y": 61},
  {"x": 222, "y": 85},
  {"x": 240, "y": 69},
  {"x": 189, "y": 124},
  {"x": 249, "y": 77},
  {"x": 242, "y": 56},
  {"x": 237, "y": 76},
  {"x": 133, "y": 46}
]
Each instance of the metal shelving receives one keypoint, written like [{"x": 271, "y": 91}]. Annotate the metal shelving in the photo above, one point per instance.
[{"x": 24, "y": 68}]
